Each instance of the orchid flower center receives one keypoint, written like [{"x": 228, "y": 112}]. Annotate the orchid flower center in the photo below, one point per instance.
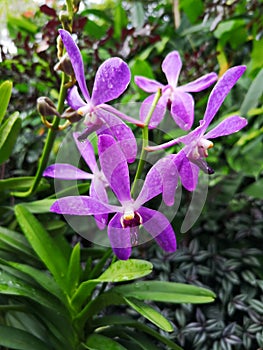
[
  {"x": 88, "y": 112},
  {"x": 133, "y": 220},
  {"x": 200, "y": 150}
]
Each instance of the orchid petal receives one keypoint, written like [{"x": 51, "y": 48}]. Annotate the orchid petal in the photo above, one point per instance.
[
  {"x": 146, "y": 84},
  {"x": 221, "y": 90},
  {"x": 76, "y": 61},
  {"x": 82, "y": 205},
  {"x": 87, "y": 152},
  {"x": 73, "y": 98},
  {"x": 119, "y": 238},
  {"x": 188, "y": 171},
  {"x": 159, "y": 227},
  {"x": 121, "y": 115},
  {"x": 114, "y": 167},
  {"x": 66, "y": 172},
  {"x": 158, "y": 113},
  {"x": 228, "y": 126},
  {"x": 121, "y": 132},
  {"x": 97, "y": 191},
  {"x": 182, "y": 109},
  {"x": 200, "y": 83},
  {"x": 111, "y": 80},
  {"x": 171, "y": 67}
]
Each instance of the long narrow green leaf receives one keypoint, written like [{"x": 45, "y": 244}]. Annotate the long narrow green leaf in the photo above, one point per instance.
[
  {"x": 46, "y": 248},
  {"x": 14, "y": 338},
  {"x": 150, "y": 313},
  {"x": 9, "y": 132},
  {"x": 74, "y": 270},
  {"x": 168, "y": 292},
  {"x": 41, "y": 206},
  {"x": 5, "y": 94},
  {"x": 22, "y": 183},
  {"x": 100, "y": 342}
]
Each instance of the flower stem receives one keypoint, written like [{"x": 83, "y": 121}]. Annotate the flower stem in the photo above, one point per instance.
[
  {"x": 51, "y": 136},
  {"x": 145, "y": 139}
]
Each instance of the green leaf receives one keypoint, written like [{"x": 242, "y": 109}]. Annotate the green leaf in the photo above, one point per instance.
[
  {"x": 46, "y": 248},
  {"x": 22, "y": 23},
  {"x": 100, "y": 342},
  {"x": 126, "y": 270},
  {"x": 22, "y": 184},
  {"x": 41, "y": 206},
  {"x": 150, "y": 313},
  {"x": 5, "y": 94},
  {"x": 253, "y": 95},
  {"x": 74, "y": 269},
  {"x": 137, "y": 15},
  {"x": 255, "y": 189},
  {"x": 168, "y": 292},
  {"x": 192, "y": 8},
  {"x": 9, "y": 132},
  {"x": 14, "y": 338},
  {"x": 120, "y": 19}
]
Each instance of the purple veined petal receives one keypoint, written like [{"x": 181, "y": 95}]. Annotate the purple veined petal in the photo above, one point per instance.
[
  {"x": 121, "y": 132},
  {"x": 182, "y": 109},
  {"x": 170, "y": 180},
  {"x": 76, "y": 61},
  {"x": 82, "y": 205},
  {"x": 200, "y": 83},
  {"x": 119, "y": 237},
  {"x": 114, "y": 166},
  {"x": 116, "y": 113},
  {"x": 159, "y": 227},
  {"x": 66, "y": 172},
  {"x": 158, "y": 113},
  {"x": 171, "y": 67},
  {"x": 73, "y": 98},
  {"x": 97, "y": 190},
  {"x": 188, "y": 171},
  {"x": 87, "y": 152},
  {"x": 111, "y": 80},
  {"x": 146, "y": 84},
  {"x": 89, "y": 130},
  {"x": 221, "y": 90},
  {"x": 228, "y": 126}
]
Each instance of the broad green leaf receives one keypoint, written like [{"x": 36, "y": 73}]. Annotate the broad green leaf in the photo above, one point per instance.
[
  {"x": 22, "y": 184},
  {"x": 256, "y": 55},
  {"x": 255, "y": 189},
  {"x": 163, "y": 291},
  {"x": 150, "y": 313},
  {"x": 22, "y": 23},
  {"x": 8, "y": 134},
  {"x": 100, "y": 342},
  {"x": 41, "y": 206},
  {"x": 74, "y": 269},
  {"x": 5, "y": 94},
  {"x": 192, "y": 8},
  {"x": 83, "y": 292},
  {"x": 253, "y": 95},
  {"x": 14, "y": 338},
  {"x": 45, "y": 246},
  {"x": 126, "y": 270},
  {"x": 120, "y": 19}
]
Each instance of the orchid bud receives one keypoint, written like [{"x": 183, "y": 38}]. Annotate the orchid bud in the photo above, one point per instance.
[
  {"x": 71, "y": 115},
  {"x": 46, "y": 107},
  {"x": 76, "y": 5},
  {"x": 60, "y": 47},
  {"x": 65, "y": 65}
]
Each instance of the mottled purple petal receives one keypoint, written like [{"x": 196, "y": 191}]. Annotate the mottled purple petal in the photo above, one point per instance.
[
  {"x": 121, "y": 132},
  {"x": 182, "y": 109},
  {"x": 159, "y": 227},
  {"x": 82, "y": 205},
  {"x": 221, "y": 90},
  {"x": 73, "y": 98},
  {"x": 66, "y": 172},
  {"x": 146, "y": 84},
  {"x": 226, "y": 127},
  {"x": 200, "y": 83},
  {"x": 111, "y": 80},
  {"x": 76, "y": 61},
  {"x": 171, "y": 67},
  {"x": 121, "y": 115},
  {"x": 87, "y": 152},
  {"x": 188, "y": 171},
  {"x": 97, "y": 190},
  {"x": 115, "y": 167},
  {"x": 119, "y": 238},
  {"x": 158, "y": 113}
]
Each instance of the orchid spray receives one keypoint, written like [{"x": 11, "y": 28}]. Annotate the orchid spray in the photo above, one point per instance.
[{"x": 114, "y": 151}]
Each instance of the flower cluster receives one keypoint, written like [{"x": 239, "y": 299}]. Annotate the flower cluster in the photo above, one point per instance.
[{"x": 117, "y": 147}]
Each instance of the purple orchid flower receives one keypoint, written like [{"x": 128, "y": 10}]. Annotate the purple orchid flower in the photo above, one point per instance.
[
  {"x": 111, "y": 80},
  {"x": 123, "y": 228},
  {"x": 98, "y": 183},
  {"x": 191, "y": 158},
  {"x": 177, "y": 98}
]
